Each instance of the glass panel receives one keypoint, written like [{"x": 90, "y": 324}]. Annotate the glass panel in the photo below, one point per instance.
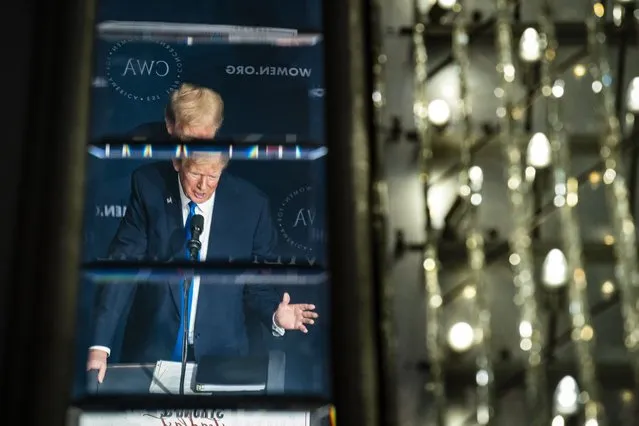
[
  {"x": 262, "y": 213},
  {"x": 267, "y": 202},
  {"x": 233, "y": 345},
  {"x": 263, "y": 92},
  {"x": 230, "y": 228}
]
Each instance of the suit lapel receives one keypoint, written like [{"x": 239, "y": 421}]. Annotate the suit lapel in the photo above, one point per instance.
[
  {"x": 175, "y": 220},
  {"x": 221, "y": 234},
  {"x": 175, "y": 228}
]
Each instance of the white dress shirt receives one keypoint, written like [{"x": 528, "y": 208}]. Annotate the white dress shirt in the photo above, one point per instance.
[{"x": 206, "y": 210}]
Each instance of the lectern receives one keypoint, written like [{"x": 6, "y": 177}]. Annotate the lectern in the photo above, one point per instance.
[{"x": 122, "y": 379}]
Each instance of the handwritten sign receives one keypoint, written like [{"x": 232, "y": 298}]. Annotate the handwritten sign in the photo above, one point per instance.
[{"x": 207, "y": 417}]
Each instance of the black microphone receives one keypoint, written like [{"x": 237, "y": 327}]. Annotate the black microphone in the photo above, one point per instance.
[{"x": 194, "y": 245}]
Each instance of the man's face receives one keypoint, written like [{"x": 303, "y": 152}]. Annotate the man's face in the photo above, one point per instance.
[
  {"x": 187, "y": 132},
  {"x": 199, "y": 179}
]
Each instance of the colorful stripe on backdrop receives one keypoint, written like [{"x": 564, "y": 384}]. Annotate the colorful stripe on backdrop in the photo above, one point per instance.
[{"x": 234, "y": 151}]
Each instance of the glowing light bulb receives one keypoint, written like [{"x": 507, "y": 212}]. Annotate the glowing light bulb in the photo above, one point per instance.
[
  {"x": 632, "y": 99},
  {"x": 530, "y": 45},
  {"x": 476, "y": 176},
  {"x": 539, "y": 153},
  {"x": 558, "y": 88},
  {"x": 447, "y": 4},
  {"x": 567, "y": 396},
  {"x": 554, "y": 272},
  {"x": 423, "y": 6},
  {"x": 438, "y": 112},
  {"x": 558, "y": 420},
  {"x": 461, "y": 336},
  {"x": 579, "y": 70}
]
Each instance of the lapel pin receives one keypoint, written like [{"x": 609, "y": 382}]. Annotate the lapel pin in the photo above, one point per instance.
[{"x": 169, "y": 200}]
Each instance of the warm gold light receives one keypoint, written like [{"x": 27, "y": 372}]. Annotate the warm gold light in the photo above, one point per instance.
[
  {"x": 609, "y": 240},
  {"x": 598, "y": 10},
  {"x": 594, "y": 178},
  {"x": 579, "y": 70},
  {"x": 587, "y": 333},
  {"x": 607, "y": 288},
  {"x": 627, "y": 396},
  {"x": 469, "y": 291}
]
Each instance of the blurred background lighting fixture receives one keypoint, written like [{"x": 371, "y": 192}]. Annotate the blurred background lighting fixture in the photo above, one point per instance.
[
  {"x": 423, "y": 6},
  {"x": 558, "y": 420},
  {"x": 567, "y": 396},
  {"x": 632, "y": 99},
  {"x": 447, "y": 4},
  {"x": 607, "y": 289},
  {"x": 579, "y": 70},
  {"x": 538, "y": 154},
  {"x": 461, "y": 337},
  {"x": 554, "y": 272},
  {"x": 558, "y": 89},
  {"x": 530, "y": 45},
  {"x": 438, "y": 112},
  {"x": 476, "y": 177},
  {"x": 608, "y": 240}
]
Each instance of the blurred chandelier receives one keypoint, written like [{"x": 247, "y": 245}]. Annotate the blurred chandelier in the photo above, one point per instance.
[{"x": 563, "y": 267}]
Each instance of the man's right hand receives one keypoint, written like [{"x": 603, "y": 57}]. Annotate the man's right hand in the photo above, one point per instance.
[{"x": 97, "y": 360}]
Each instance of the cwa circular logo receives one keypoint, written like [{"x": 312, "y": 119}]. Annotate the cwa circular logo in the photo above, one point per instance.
[
  {"x": 296, "y": 218},
  {"x": 143, "y": 72}
]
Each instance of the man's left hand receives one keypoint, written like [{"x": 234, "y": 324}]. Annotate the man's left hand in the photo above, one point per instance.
[{"x": 294, "y": 316}]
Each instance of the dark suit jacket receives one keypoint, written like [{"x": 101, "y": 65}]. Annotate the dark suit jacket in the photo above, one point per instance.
[{"x": 152, "y": 229}]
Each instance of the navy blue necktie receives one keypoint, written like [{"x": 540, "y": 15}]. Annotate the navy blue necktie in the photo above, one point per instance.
[{"x": 185, "y": 316}]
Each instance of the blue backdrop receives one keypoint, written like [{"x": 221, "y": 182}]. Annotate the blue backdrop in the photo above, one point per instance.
[
  {"x": 270, "y": 93},
  {"x": 301, "y": 14}
]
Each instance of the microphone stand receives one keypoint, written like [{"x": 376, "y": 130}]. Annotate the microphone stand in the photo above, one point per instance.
[
  {"x": 185, "y": 332},
  {"x": 193, "y": 257}
]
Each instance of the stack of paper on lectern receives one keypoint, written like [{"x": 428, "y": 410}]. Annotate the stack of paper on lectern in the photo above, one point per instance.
[
  {"x": 166, "y": 378},
  {"x": 214, "y": 374}
]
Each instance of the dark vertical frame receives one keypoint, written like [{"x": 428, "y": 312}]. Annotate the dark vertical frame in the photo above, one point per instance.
[
  {"x": 355, "y": 328},
  {"x": 42, "y": 283},
  {"x": 13, "y": 141},
  {"x": 385, "y": 306}
]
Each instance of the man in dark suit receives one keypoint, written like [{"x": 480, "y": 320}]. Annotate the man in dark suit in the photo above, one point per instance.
[{"x": 237, "y": 224}]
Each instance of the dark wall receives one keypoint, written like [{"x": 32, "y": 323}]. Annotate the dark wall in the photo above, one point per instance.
[{"x": 16, "y": 113}]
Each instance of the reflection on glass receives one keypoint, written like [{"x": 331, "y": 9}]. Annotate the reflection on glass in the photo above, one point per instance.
[
  {"x": 234, "y": 81},
  {"x": 137, "y": 206},
  {"x": 170, "y": 333},
  {"x": 118, "y": 150},
  {"x": 190, "y": 34},
  {"x": 205, "y": 417},
  {"x": 136, "y": 321},
  {"x": 268, "y": 92}
]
